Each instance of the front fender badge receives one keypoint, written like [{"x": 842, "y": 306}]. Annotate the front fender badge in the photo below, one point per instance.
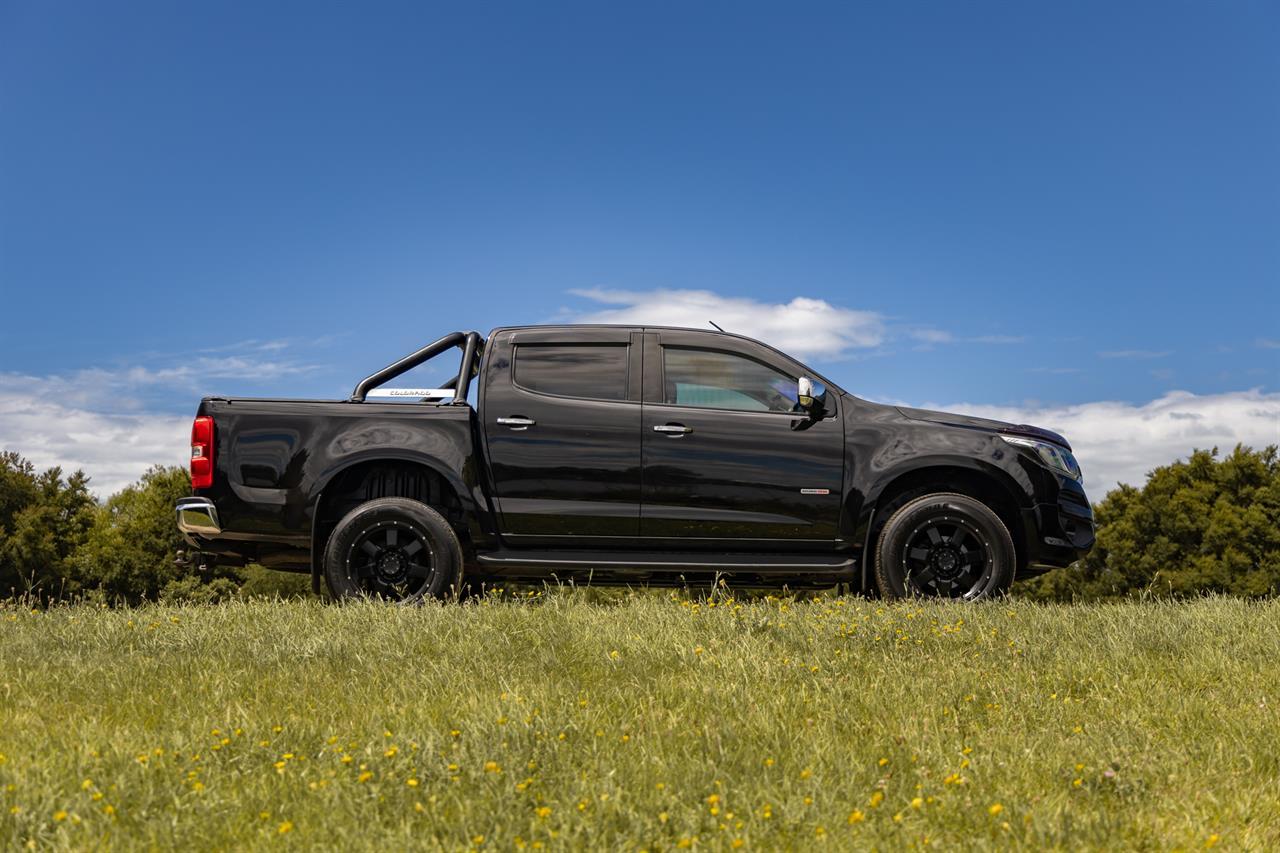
[{"x": 815, "y": 491}]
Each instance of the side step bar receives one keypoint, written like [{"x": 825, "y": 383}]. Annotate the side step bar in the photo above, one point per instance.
[{"x": 832, "y": 566}]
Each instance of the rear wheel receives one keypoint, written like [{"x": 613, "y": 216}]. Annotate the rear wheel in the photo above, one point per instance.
[
  {"x": 944, "y": 546},
  {"x": 395, "y": 549}
]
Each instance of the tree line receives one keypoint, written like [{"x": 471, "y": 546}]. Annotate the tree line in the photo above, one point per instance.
[
  {"x": 1207, "y": 524},
  {"x": 58, "y": 541}
]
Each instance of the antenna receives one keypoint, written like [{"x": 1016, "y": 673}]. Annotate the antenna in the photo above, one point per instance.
[{"x": 717, "y": 325}]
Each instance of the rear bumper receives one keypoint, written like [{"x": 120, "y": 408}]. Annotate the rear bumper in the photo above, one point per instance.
[{"x": 197, "y": 517}]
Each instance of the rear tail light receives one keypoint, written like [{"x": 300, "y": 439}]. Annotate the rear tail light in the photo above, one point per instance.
[{"x": 202, "y": 452}]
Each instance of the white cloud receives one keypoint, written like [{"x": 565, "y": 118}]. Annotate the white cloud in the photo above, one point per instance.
[
  {"x": 930, "y": 335},
  {"x": 96, "y": 419},
  {"x": 204, "y": 368},
  {"x": 1120, "y": 442},
  {"x": 803, "y": 327},
  {"x": 113, "y": 449}
]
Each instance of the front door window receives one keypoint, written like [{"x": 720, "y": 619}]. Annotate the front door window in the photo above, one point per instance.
[{"x": 708, "y": 379}]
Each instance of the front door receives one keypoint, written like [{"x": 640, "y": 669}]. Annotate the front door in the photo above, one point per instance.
[
  {"x": 729, "y": 460},
  {"x": 561, "y": 412}
]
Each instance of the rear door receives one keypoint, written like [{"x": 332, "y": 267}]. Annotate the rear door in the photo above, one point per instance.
[
  {"x": 561, "y": 413},
  {"x": 729, "y": 461}
]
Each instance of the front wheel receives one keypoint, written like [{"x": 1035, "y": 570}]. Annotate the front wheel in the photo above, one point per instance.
[
  {"x": 395, "y": 549},
  {"x": 944, "y": 546}
]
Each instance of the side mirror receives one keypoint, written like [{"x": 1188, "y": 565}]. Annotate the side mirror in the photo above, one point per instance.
[{"x": 812, "y": 395}]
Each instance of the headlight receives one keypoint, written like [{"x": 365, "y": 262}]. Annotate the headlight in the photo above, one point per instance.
[{"x": 1055, "y": 457}]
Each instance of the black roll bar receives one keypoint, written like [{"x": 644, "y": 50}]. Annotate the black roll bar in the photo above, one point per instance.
[
  {"x": 469, "y": 341},
  {"x": 467, "y": 369}
]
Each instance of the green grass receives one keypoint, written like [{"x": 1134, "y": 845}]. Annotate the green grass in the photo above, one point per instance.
[{"x": 645, "y": 722}]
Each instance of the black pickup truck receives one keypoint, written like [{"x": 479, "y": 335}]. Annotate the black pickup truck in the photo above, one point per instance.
[{"x": 636, "y": 455}]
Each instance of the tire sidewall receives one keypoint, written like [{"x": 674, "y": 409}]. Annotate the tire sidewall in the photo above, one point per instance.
[
  {"x": 446, "y": 551},
  {"x": 893, "y": 541}
]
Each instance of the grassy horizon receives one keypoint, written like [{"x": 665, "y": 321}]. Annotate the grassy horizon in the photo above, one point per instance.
[{"x": 644, "y": 722}]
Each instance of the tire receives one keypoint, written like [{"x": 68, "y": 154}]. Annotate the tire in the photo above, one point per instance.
[
  {"x": 944, "y": 546},
  {"x": 395, "y": 549}
]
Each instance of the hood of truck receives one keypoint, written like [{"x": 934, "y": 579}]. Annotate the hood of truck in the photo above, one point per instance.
[{"x": 971, "y": 422}]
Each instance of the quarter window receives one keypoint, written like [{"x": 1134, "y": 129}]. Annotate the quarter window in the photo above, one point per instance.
[
  {"x": 719, "y": 380},
  {"x": 593, "y": 371}
]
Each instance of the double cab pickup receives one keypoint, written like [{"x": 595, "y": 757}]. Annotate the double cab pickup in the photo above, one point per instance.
[{"x": 626, "y": 455}]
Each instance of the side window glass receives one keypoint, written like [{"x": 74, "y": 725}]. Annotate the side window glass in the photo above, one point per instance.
[
  {"x": 591, "y": 371},
  {"x": 718, "y": 380}
]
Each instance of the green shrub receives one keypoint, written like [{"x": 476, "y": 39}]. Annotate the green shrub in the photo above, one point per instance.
[
  {"x": 44, "y": 519},
  {"x": 1203, "y": 525}
]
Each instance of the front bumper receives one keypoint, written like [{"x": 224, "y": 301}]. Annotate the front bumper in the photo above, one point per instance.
[
  {"x": 198, "y": 517},
  {"x": 1062, "y": 532}
]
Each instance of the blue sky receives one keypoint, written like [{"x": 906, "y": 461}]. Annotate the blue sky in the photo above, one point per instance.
[{"x": 1034, "y": 208}]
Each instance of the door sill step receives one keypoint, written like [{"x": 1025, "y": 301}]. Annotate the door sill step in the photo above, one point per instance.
[{"x": 548, "y": 562}]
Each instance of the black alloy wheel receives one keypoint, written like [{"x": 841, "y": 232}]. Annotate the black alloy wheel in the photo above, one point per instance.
[
  {"x": 944, "y": 546},
  {"x": 391, "y": 559},
  {"x": 394, "y": 549},
  {"x": 947, "y": 556}
]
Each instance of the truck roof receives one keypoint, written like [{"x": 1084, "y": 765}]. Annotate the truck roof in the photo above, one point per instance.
[{"x": 638, "y": 327}]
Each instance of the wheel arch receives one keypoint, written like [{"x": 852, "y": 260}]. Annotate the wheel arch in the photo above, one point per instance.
[
  {"x": 384, "y": 475},
  {"x": 986, "y": 483}
]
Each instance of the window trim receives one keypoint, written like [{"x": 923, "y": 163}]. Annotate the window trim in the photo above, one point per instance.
[{"x": 626, "y": 372}]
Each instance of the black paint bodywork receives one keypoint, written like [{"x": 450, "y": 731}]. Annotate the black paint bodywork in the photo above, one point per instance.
[{"x": 591, "y": 488}]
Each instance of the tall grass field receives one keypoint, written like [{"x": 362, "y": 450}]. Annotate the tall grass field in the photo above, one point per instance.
[{"x": 570, "y": 720}]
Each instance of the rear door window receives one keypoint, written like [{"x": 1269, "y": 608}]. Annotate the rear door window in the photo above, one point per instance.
[{"x": 587, "y": 371}]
